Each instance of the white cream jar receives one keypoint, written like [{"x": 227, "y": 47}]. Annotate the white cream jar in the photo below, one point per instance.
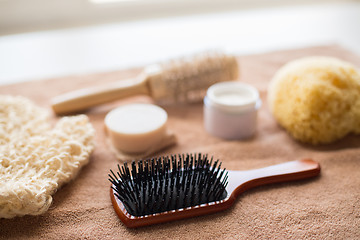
[{"x": 230, "y": 110}]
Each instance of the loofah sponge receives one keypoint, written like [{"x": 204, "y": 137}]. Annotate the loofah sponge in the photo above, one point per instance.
[
  {"x": 36, "y": 160},
  {"x": 316, "y": 99}
]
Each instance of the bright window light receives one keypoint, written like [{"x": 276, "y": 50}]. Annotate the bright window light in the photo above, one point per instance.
[{"x": 112, "y": 1}]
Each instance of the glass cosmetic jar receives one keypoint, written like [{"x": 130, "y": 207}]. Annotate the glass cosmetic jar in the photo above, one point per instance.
[{"x": 230, "y": 110}]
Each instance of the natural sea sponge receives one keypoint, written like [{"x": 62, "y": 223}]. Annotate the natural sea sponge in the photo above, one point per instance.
[
  {"x": 35, "y": 159},
  {"x": 316, "y": 99}
]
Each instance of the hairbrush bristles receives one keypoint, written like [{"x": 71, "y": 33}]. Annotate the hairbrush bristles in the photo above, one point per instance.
[
  {"x": 187, "y": 79},
  {"x": 167, "y": 183},
  {"x": 176, "y": 81}
]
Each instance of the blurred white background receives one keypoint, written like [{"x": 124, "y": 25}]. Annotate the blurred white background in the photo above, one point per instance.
[{"x": 51, "y": 38}]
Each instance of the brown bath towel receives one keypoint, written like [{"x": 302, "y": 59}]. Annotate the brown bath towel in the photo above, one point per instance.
[{"x": 327, "y": 207}]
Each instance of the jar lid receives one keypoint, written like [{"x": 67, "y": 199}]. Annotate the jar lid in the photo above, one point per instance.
[{"x": 236, "y": 97}]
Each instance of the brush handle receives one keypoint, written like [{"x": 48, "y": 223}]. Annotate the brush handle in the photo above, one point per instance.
[
  {"x": 88, "y": 97},
  {"x": 240, "y": 181}
]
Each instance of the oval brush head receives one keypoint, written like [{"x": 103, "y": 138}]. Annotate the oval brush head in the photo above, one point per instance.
[
  {"x": 170, "y": 188},
  {"x": 169, "y": 183}
]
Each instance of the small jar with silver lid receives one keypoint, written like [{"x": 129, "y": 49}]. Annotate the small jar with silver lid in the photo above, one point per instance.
[{"x": 230, "y": 110}]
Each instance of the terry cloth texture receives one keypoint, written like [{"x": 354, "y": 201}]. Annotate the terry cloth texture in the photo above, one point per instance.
[{"x": 327, "y": 207}]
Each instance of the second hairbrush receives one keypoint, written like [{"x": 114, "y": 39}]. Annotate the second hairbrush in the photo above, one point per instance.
[
  {"x": 179, "y": 80},
  {"x": 181, "y": 186}
]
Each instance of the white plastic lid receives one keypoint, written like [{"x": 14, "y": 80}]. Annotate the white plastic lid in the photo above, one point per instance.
[{"x": 233, "y": 97}]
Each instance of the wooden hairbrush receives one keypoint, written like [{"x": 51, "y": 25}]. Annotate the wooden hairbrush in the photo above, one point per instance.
[
  {"x": 174, "y": 187},
  {"x": 181, "y": 80}
]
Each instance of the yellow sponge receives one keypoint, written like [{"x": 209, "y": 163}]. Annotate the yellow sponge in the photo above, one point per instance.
[{"x": 316, "y": 99}]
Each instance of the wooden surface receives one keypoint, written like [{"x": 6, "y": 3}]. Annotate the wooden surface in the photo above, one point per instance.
[{"x": 323, "y": 208}]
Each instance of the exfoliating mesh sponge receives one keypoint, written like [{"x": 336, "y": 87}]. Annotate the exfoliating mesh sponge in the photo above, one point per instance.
[
  {"x": 35, "y": 159},
  {"x": 316, "y": 99}
]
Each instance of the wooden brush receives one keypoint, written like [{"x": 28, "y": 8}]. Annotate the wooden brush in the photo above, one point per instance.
[
  {"x": 174, "y": 187},
  {"x": 181, "y": 80}
]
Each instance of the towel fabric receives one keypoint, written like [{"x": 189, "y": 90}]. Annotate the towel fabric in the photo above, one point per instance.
[{"x": 327, "y": 207}]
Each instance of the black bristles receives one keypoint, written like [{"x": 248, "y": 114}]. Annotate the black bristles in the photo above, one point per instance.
[{"x": 167, "y": 183}]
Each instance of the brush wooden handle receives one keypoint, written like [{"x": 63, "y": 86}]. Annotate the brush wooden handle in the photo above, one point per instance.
[
  {"x": 85, "y": 98},
  {"x": 240, "y": 181}
]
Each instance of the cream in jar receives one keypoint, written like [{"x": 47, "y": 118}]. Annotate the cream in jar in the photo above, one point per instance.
[{"x": 230, "y": 110}]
